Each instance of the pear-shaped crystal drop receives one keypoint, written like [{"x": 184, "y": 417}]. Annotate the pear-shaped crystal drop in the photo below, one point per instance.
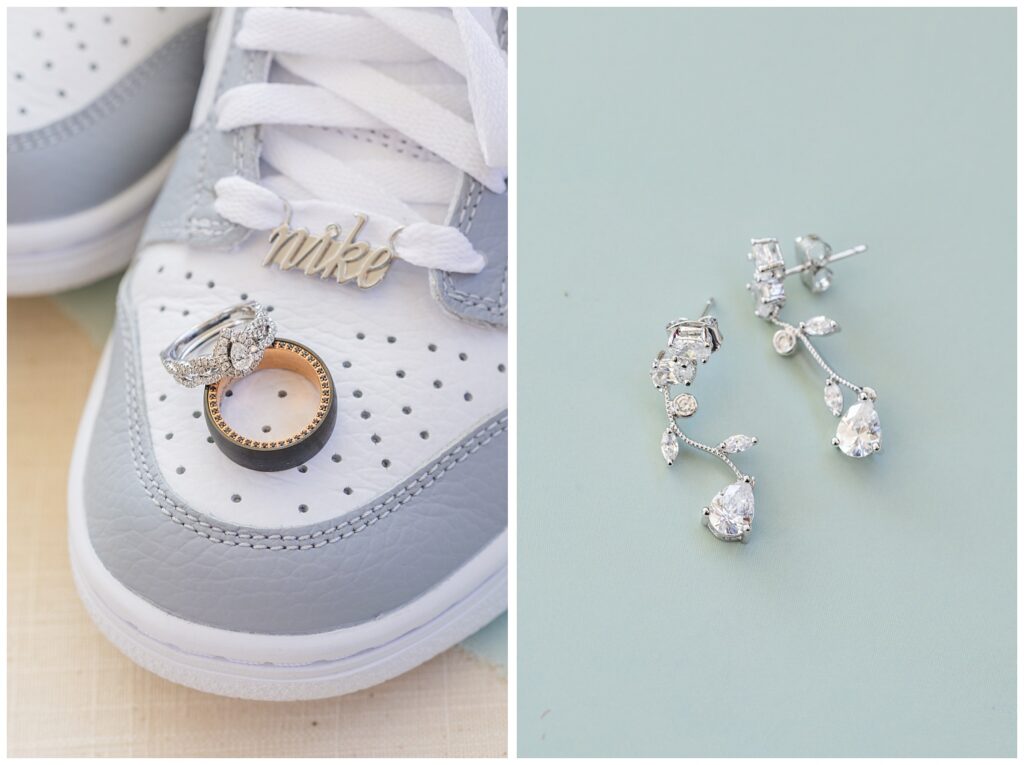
[
  {"x": 731, "y": 511},
  {"x": 245, "y": 356},
  {"x": 859, "y": 433},
  {"x": 833, "y": 398},
  {"x": 669, "y": 446}
]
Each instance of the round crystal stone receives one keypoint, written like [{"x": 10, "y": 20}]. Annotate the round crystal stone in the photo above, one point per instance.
[
  {"x": 859, "y": 433},
  {"x": 671, "y": 370},
  {"x": 683, "y": 405},
  {"x": 659, "y": 374},
  {"x": 731, "y": 511},
  {"x": 784, "y": 341}
]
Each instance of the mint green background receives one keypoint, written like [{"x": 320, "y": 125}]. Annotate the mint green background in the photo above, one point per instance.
[{"x": 874, "y": 610}]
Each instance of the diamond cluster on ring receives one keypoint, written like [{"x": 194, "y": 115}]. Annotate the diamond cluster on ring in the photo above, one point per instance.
[
  {"x": 236, "y": 352},
  {"x": 203, "y": 370}
]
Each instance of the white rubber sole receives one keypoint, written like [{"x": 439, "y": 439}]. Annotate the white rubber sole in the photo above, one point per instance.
[
  {"x": 275, "y": 667},
  {"x": 64, "y": 253}
]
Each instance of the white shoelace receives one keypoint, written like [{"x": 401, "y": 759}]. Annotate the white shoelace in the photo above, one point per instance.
[{"x": 410, "y": 98}]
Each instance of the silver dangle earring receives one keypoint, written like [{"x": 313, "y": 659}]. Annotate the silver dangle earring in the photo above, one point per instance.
[
  {"x": 691, "y": 342},
  {"x": 859, "y": 433}
]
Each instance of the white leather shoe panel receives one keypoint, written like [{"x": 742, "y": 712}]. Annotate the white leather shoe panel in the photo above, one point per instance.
[
  {"x": 59, "y": 60},
  {"x": 452, "y": 379}
]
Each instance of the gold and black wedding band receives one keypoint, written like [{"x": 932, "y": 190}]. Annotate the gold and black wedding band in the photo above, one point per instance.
[{"x": 285, "y": 452}]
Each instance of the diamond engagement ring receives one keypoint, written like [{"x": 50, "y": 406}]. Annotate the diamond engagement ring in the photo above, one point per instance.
[{"x": 239, "y": 335}]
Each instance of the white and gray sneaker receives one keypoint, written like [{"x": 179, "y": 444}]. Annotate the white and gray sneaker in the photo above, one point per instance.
[
  {"x": 389, "y": 545},
  {"x": 97, "y": 99}
]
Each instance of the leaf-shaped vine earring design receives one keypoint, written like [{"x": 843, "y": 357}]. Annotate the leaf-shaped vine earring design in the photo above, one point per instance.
[
  {"x": 859, "y": 433},
  {"x": 690, "y": 343}
]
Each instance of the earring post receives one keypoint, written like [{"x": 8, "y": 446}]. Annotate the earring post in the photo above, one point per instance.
[
  {"x": 826, "y": 261},
  {"x": 707, "y": 306},
  {"x": 847, "y": 253}
]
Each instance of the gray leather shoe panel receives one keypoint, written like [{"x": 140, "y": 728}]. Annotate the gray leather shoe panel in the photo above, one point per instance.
[
  {"x": 91, "y": 156},
  {"x": 481, "y": 298},
  {"x": 184, "y": 210},
  {"x": 299, "y": 581},
  {"x": 483, "y": 217}
]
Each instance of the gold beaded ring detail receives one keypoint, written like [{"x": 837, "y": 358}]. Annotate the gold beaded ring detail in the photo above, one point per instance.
[{"x": 279, "y": 453}]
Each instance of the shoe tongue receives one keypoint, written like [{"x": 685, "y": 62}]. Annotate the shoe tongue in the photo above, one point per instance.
[{"x": 184, "y": 212}]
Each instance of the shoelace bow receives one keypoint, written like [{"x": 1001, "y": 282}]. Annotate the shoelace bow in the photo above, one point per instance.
[{"x": 353, "y": 72}]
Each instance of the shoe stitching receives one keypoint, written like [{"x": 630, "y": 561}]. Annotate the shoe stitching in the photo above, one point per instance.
[
  {"x": 467, "y": 213},
  {"x": 366, "y": 519},
  {"x": 489, "y": 304},
  {"x": 206, "y": 227},
  {"x": 466, "y": 224}
]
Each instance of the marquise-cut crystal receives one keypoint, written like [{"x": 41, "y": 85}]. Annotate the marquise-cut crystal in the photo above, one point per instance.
[
  {"x": 833, "y": 398},
  {"x": 731, "y": 511},
  {"x": 784, "y": 341},
  {"x": 737, "y": 443},
  {"x": 859, "y": 433},
  {"x": 669, "y": 446},
  {"x": 683, "y": 405},
  {"x": 820, "y": 325}
]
